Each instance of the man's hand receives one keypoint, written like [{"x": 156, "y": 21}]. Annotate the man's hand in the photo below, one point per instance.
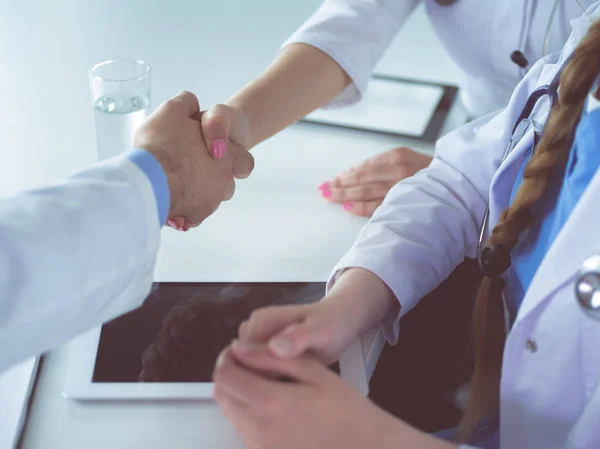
[
  {"x": 362, "y": 189},
  {"x": 197, "y": 182}
]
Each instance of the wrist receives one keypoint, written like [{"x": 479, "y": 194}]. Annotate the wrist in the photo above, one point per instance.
[
  {"x": 173, "y": 179},
  {"x": 152, "y": 167},
  {"x": 363, "y": 298},
  {"x": 241, "y": 112}
]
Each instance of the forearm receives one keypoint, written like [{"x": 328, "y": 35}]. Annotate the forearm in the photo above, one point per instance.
[
  {"x": 68, "y": 258},
  {"x": 300, "y": 80},
  {"x": 364, "y": 298}
]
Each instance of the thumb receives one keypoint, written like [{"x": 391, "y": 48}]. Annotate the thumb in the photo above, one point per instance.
[
  {"x": 216, "y": 124},
  {"x": 299, "y": 338}
]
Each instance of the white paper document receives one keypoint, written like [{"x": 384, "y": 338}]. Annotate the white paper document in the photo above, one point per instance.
[{"x": 15, "y": 387}]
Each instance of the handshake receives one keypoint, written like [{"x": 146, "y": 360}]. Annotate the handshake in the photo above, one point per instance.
[{"x": 201, "y": 152}]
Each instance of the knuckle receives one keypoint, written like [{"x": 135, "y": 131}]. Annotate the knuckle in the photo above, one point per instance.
[
  {"x": 186, "y": 93},
  {"x": 171, "y": 103},
  {"x": 214, "y": 119},
  {"x": 365, "y": 191},
  {"x": 258, "y": 316},
  {"x": 399, "y": 155}
]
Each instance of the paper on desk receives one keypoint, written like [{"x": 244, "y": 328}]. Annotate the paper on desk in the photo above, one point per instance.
[
  {"x": 392, "y": 106},
  {"x": 15, "y": 387}
]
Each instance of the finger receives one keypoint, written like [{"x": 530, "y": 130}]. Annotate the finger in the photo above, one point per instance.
[
  {"x": 364, "y": 192},
  {"x": 188, "y": 101},
  {"x": 266, "y": 323},
  {"x": 248, "y": 387},
  {"x": 243, "y": 161},
  {"x": 374, "y": 173},
  {"x": 243, "y": 331},
  {"x": 298, "y": 338},
  {"x": 229, "y": 190},
  {"x": 304, "y": 369},
  {"x": 215, "y": 128},
  {"x": 362, "y": 208},
  {"x": 176, "y": 222}
]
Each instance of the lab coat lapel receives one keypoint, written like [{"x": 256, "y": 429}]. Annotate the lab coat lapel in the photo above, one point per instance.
[
  {"x": 503, "y": 182},
  {"x": 571, "y": 247}
]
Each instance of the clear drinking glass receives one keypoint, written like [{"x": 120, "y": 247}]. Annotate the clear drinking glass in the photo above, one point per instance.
[{"x": 121, "y": 100}]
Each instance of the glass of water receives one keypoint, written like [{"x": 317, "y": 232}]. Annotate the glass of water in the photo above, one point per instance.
[{"x": 121, "y": 99}]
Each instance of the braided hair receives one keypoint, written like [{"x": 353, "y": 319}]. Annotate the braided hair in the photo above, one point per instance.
[{"x": 548, "y": 161}]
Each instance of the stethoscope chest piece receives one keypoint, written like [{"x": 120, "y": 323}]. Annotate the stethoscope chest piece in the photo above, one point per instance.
[{"x": 587, "y": 287}]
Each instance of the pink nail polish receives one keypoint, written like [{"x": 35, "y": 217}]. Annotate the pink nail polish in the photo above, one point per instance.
[
  {"x": 326, "y": 193},
  {"x": 348, "y": 206},
  {"x": 324, "y": 186},
  {"x": 172, "y": 223},
  {"x": 218, "y": 149}
]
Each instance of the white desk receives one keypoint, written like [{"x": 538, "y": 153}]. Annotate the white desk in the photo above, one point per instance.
[{"x": 276, "y": 228}]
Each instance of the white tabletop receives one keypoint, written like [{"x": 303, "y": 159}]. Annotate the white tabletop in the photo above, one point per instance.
[{"x": 276, "y": 228}]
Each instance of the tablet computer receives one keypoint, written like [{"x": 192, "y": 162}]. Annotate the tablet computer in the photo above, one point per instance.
[
  {"x": 395, "y": 106},
  {"x": 167, "y": 348}
]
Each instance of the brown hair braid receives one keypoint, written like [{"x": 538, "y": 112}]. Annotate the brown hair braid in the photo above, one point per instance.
[{"x": 548, "y": 160}]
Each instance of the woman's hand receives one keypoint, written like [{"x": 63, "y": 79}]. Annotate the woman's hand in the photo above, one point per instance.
[
  {"x": 223, "y": 127},
  {"x": 293, "y": 330},
  {"x": 357, "y": 302},
  {"x": 362, "y": 189},
  {"x": 315, "y": 409}
]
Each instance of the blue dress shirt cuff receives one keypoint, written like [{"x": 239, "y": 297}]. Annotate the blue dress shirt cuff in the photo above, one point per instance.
[{"x": 158, "y": 179}]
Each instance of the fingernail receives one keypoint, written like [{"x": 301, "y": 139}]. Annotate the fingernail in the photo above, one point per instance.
[
  {"x": 218, "y": 149},
  {"x": 326, "y": 193},
  {"x": 281, "y": 346},
  {"x": 172, "y": 223},
  {"x": 348, "y": 206},
  {"x": 325, "y": 186}
]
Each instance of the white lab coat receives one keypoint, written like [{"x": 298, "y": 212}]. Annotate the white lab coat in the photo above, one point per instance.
[
  {"x": 74, "y": 255},
  {"x": 550, "y": 397},
  {"x": 479, "y": 35}
]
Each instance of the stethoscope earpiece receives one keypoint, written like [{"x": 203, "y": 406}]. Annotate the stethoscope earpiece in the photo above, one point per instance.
[{"x": 587, "y": 287}]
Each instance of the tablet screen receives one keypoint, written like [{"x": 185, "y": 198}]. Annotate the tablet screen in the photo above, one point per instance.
[
  {"x": 394, "y": 106},
  {"x": 180, "y": 330}
]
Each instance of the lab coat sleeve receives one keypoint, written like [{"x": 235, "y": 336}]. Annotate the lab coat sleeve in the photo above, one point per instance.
[
  {"x": 430, "y": 222},
  {"x": 354, "y": 33},
  {"x": 74, "y": 255}
]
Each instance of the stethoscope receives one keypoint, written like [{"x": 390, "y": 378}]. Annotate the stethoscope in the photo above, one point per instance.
[{"x": 587, "y": 285}]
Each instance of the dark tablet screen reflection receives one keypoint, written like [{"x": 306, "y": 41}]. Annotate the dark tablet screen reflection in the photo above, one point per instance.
[{"x": 180, "y": 330}]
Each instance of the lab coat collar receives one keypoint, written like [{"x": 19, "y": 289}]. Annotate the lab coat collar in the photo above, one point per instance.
[{"x": 568, "y": 252}]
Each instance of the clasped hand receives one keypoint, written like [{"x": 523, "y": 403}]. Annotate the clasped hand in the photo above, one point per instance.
[{"x": 198, "y": 183}]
